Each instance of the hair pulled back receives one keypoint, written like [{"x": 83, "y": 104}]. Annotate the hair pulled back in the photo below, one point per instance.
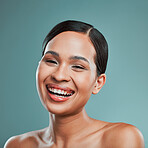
[{"x": 96, "y": 37}]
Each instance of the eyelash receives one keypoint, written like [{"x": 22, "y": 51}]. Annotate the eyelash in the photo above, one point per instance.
[
  {"x": 78, "y": 67},
  {"x": 51, "y": 61}
]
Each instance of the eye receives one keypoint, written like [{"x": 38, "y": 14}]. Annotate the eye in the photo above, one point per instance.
[
  {"x": 78, "y": 67},
  {"x": 51, "y": 61}
]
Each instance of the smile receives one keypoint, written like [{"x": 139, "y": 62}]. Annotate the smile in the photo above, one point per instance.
[{"x": 58, "y": 93}]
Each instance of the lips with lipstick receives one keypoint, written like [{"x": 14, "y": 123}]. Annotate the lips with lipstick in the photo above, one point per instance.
[{"x": 59, "y": 93}]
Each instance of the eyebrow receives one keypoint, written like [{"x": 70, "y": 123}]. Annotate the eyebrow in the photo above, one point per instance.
[
  {"x": 53, "y": 53},
  {"x": 79, "y": 58},
  {"x": 71, "y": 58}
]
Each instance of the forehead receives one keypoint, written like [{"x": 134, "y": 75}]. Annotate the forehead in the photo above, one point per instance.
[{"x": 72, "y": 43}]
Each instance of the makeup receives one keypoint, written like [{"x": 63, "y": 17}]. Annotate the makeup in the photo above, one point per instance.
[{"x": 59, "y": 93}]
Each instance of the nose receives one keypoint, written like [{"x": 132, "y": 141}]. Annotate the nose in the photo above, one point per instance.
[{"x": 61, "y": 74}]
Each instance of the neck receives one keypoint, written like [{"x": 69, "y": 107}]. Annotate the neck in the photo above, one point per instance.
[{"x": 66, "y": 127}]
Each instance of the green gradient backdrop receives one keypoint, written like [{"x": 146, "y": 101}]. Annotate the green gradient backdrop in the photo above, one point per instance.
[{"x": 23, "y": 26}]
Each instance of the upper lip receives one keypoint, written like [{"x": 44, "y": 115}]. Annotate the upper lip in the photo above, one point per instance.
[{"x": 60, "y": 87}]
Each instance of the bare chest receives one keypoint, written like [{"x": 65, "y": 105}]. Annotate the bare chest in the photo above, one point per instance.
[{"x": 92, "y": 141}]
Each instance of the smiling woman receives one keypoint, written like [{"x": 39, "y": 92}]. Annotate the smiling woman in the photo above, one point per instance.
[{"x": 72, "y": 68}]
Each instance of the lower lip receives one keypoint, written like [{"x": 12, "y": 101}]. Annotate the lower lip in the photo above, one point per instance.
[{"x": 57, "y": 98}]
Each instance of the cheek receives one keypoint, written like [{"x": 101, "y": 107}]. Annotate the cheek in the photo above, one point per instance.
[
  {"x": 43, "y": 72},
  {"x": 85, "y": 82},
  {"x": 86, "y": 79},
  {"x": 41, "y": 75}
]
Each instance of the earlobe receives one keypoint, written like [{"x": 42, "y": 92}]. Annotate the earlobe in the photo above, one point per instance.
[{"x": 99, "y": 83}]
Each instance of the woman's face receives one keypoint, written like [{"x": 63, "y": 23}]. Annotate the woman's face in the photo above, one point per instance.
[{"x": 66, "y": 74}]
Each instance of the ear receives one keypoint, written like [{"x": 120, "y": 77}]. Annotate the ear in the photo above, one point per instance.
[{"x": 99, "y": 83}]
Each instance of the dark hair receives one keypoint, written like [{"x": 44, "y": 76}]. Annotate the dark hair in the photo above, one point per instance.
[{"x": 95, "y": 36}]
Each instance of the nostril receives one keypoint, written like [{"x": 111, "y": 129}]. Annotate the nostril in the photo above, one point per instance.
[
  {"x": 60, "y": 76},
  {"x": 53, "y": 78}
]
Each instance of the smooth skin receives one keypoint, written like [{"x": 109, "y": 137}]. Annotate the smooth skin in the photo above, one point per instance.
[{"x": 63, "y": 64}]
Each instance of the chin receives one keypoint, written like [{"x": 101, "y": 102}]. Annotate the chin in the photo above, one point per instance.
[{"x": 58, "y": 109}]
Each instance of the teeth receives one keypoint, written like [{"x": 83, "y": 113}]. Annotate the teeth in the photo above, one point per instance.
[
  {"x": 55, "y": 91},
  {"x": 58, "y": 91}
]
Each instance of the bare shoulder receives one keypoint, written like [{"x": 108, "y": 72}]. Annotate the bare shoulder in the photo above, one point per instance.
[
  {"x": 122, "y": 135},
  {"x": 29, "y": 139}
]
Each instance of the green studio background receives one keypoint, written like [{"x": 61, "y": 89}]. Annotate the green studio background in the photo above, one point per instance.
[{"x": 23, "y": 26}]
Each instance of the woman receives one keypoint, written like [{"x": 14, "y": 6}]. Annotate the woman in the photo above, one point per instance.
[{"x": 72, "y": 68}]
